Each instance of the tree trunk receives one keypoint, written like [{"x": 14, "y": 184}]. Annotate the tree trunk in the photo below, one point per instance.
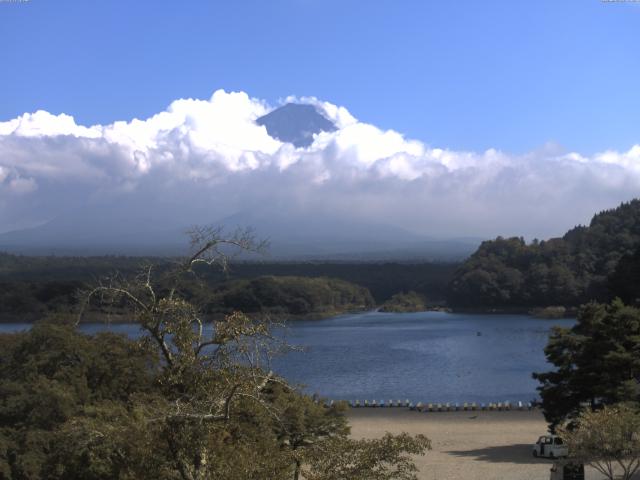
[
  {"x": 296, "y": 472},
  {"x": 200, "y": 465}
]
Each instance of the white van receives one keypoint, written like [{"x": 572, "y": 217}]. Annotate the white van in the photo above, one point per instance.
[{"x": 550, "y": 446}]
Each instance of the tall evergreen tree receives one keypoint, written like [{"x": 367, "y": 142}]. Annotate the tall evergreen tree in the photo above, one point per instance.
[{"x": 597, "y": 361}]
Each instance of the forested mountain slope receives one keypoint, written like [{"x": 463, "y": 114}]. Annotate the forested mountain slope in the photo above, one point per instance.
[{"x": 508, "y": 272}]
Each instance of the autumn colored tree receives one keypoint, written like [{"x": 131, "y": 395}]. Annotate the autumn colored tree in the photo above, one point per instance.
[{"x": 607, "y": 439}]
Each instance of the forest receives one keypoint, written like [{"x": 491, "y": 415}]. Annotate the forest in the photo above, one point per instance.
[
  {"x": 33, "y": 287},
  {"x": 587, "y": 263}
]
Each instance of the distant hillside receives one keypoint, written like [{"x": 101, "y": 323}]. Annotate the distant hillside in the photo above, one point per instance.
[{"x": 561, "y": 271}]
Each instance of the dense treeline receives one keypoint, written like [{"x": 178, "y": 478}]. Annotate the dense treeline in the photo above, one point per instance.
[
  {"x": 30, "y": 301},
  {"x": 288, "y": 296},
  {"x": 625, "y": 280},
  {"x": 33, "y": 287},
  {"x": 55, "y": 268},
  {"x": 382, "y": 279},
  {"x": 569, "y": 271}
]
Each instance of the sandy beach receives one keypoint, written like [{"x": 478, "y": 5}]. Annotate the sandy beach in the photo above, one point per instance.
[{"x": 466, "y": 445}]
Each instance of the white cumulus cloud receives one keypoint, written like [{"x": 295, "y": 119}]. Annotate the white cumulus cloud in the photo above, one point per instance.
[{"x": 208, "y": 158}]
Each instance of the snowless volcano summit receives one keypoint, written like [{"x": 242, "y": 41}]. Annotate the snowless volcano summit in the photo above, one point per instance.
[{"x": 296, "y": 123}]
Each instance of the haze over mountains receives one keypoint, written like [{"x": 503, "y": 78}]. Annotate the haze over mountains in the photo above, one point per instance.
[
  {"x": 308, "y": 175},
  {"x": 108, "y": 230}
]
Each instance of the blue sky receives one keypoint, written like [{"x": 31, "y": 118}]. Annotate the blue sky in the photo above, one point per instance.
[
  {"x": 466, "y": 75},
  {"x": 514, "y": 117}
]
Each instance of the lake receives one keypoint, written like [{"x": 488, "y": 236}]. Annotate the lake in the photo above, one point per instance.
[{"x": 426, "y": 356}]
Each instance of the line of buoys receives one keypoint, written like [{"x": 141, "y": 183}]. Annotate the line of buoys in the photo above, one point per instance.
[{"x": 437, "y": 407}]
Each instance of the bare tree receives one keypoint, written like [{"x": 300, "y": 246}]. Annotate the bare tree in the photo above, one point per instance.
[{"x": 206, "y": 369}]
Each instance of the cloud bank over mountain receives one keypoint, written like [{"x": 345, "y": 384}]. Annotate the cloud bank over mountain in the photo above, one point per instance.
[{"x": 200, "y": 161}]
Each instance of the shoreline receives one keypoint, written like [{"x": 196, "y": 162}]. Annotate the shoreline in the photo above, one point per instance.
[
  {"x": 570, "y": 312},
  {"x": 317, "y": 316}
]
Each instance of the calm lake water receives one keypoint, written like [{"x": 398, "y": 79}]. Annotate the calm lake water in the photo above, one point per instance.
[{"x": 428, "y": 356}]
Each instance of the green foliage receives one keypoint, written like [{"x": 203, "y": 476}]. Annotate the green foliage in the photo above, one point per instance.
[
  {"x": 288, "y": 296},
  {"x": 405, "y": 302},
  {"x": 29, "y": 300},
  {"x": 103, "y": 407},
  {"x": 607, "y": 439},
  {"x": 386, "y": 458},
  {"x": 597, "y": 361},
  {"x": 303, "y": 423},
  {"x": 624, "y": 282},
  {"x": 50, "y": 376},
  {"x": 565, "y": 271}
]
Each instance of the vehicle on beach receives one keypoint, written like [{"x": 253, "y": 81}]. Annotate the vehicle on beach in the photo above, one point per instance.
[{"x": 550, "y": 446}]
